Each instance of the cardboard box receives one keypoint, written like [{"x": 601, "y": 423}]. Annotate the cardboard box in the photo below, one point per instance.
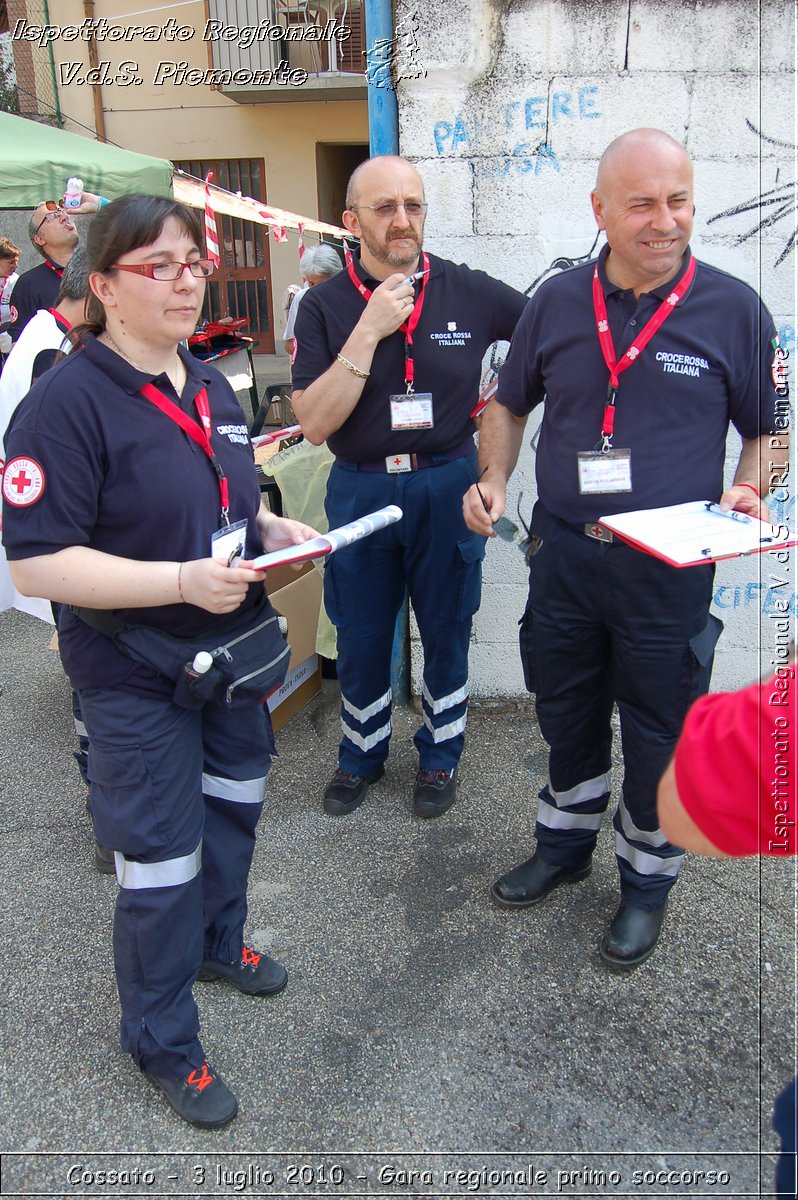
[{"x": 297, "y": 596}]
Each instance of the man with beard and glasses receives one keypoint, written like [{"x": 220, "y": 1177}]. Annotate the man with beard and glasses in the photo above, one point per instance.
[{"x": 387, "y": 371}]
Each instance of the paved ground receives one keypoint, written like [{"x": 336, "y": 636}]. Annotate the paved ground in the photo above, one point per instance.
[{"x": 423, "y": 1029}]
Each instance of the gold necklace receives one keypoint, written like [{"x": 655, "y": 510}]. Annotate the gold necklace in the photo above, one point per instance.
[{"x": 173, "y": 378}]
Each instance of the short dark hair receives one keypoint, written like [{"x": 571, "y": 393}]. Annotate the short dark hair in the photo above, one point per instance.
[
  {"x": 8, "y": 249},
  {"x": 128, "y": 224}
]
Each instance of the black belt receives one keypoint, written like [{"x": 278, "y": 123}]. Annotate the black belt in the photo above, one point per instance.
[
  {"x": 591, "y": 529},
  {"x": 399, "y": 464}
]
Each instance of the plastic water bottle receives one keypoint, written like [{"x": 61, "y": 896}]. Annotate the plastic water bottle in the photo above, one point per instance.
[
  {"x": 74, "y": 190},
  {"x": 188, "y": 690},
  {"x": 203, "y": 661}
]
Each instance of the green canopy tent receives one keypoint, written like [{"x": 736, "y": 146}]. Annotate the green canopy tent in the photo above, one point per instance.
[{"x": 36, "y": 161}]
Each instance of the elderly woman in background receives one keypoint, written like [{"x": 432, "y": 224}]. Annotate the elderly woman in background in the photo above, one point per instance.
[
  {"x": 130, "y": 494},
  {"x": 317, "y": 264}
]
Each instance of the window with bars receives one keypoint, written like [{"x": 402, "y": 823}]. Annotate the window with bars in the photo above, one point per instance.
[{"x": 241, "y": 285}]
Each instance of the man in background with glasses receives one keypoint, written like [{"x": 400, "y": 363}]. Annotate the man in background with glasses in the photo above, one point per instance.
[
  {"x": 54, "y": 234},
  {"x": 387, "y": 369}
]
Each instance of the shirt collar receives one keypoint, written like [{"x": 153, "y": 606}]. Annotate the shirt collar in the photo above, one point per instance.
[
  {"x": 662, "y": 291},
  {"x": 131, "y": 380}
]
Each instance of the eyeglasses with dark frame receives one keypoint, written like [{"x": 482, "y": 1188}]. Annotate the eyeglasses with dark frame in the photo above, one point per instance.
[
  {"x": 167, "y": 272},
  {"x": 54, "y": 210},
  {"x": 386, "y": 212}
]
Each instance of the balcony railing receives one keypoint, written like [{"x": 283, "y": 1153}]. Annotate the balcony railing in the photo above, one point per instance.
[{"x": 279, "y": 50}]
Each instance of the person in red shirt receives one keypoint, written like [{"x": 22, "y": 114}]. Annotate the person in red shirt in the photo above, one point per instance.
[{"x": 732, "y": 790}]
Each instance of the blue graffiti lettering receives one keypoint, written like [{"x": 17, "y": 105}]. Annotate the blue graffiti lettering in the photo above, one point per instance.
[
  {"x": 775, "y": 602},
  {"x": 779, "y": 604},
  {"x": 787, "y": 337},
  {"x": 782, "y": 508},
  {"x": 460, "y": 134},
  {"x": 441, "y": 131},
  {"x": 509, "y": 113},
  {"x": 587, "y": 103},
  {"x": 535, "y": 112},
  {"x": 525, "y": 159},
  {"x": 561, "y": 106}
]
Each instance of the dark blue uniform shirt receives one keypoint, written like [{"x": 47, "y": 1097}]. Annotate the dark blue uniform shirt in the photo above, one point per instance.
[
  {"x": 464, "y": 313},
  {"x": 35, "y": 289},
  {"x": 708, "y": 364},
  {"x": 121, "y": 477}
]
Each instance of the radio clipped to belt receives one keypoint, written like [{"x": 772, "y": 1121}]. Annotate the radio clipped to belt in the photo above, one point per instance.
[{"x": 248, "y": 657}]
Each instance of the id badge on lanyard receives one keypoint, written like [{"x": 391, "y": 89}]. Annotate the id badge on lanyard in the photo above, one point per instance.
[
  {"x": 412, "y": 411},
  {"x": 227, "y": 545},
  {"x": 605, "y": 469}
]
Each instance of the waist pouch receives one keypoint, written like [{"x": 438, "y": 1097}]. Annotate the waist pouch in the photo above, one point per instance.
[{"x": 250, "y": 655}]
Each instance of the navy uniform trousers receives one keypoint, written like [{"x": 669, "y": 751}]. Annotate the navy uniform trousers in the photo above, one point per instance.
[
  {"x": 433, "y": 555},
  {"x": 177, "y": 794},
  {"x": 606, "y": 624}
]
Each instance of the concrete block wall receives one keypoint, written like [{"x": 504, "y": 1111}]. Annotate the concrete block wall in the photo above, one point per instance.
[{"x": 507, "y": 118}]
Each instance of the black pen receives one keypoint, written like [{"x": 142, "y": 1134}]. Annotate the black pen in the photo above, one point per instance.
[{"x": 485, "y": 504}]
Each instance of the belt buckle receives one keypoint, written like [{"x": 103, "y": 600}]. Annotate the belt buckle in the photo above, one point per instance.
[
  {"x": 397, "y": 464},
  {"x": 599, "y": 533}
]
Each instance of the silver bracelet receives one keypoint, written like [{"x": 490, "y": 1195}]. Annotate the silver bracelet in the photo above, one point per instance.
[{"x": 350, "y": 366}]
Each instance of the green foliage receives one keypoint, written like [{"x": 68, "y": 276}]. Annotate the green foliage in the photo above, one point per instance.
[{"x": 9, "y": 97}]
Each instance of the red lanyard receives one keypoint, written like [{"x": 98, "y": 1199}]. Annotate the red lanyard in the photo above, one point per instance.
[
  {"x": 407, "y": 327},
  {"x": 616, "y": 366},
  {"x": 199, "y": 434},
  {"x": 58, "y": 270}
]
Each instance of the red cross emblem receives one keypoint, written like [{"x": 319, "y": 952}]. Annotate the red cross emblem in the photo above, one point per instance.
[
  {"x": 23, "y": 482},
  {"x": 397, "y": 462}
]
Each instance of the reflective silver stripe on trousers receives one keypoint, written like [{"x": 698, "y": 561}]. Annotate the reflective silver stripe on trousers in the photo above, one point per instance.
[
  {"x": 589, "y": 789},
  {"x": 367, "y": 743},
  {"x": 445, "y": 732},
  {"x": 454, "y": 698},
  {"x": 646, "y": 864},
  {"x": 362, "y": 714},
  {"x": 240, "y": 791},
  {"x": 633, "y": 834},
  {"x": 555, "y": 818},
  {"x": 136, "y": 876}
]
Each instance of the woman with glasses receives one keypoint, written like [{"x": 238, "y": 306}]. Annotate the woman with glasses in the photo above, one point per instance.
[{"x": 129, "y": 477}]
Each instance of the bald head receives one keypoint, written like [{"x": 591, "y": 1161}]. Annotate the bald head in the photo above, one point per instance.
[
  {"x": 382, "y": 167},
  {"x": 640, "y": 145},
  {"x": 643, "y": 201}
]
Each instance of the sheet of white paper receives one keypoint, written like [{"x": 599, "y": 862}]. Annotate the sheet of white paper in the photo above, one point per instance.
[{"x": 688, "y": 533}]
